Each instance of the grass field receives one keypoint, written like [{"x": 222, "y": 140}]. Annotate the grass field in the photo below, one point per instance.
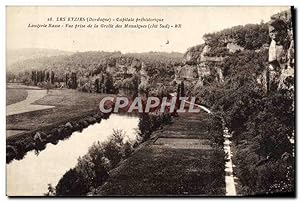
[
  {"x": 15, "y": 95},
  {"x": 169, "y": 172},
  {"x": 68, "y": 104}
]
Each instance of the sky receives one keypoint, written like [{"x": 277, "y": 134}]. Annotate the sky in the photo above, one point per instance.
[{"x": 195, "y": 22}]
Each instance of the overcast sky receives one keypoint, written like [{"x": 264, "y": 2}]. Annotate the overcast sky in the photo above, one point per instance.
[{"x": 195, "y": 21}]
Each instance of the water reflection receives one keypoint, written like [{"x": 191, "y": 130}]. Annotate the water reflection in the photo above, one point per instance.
[{"x": 31, "y": 175}]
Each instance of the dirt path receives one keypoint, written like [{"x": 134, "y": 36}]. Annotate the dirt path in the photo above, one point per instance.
[
  {"x": 229, "y": 177},
  {"x": 22, "y": 86},
  {"x": 26, "y": 105}
]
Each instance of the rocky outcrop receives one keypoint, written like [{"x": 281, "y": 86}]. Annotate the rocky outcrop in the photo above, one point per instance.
[
  {"x": 207, "y": 55},
  {"x": 199, "y": 63},
  {"x": 193, "y": 54},
  {"x": 110, "y": 76},
  {"x": 210, "y": 64},
  {"x": 144, "y": 81},
  {"x": 123, "y": 65},
  {"x": 208, "y": 58},
  {"x": 232, "y": 47},
  {"x": 188, "y": 72},
  {"x": 281, "y": 51}
]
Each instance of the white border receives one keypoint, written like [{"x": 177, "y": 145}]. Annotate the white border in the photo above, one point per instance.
[{"x": 111, "y": 2}]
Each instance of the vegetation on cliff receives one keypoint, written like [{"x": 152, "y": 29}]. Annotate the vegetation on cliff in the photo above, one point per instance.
[
  {"x": 259, "y": 114},
  {"x": 250, "y": 36}
]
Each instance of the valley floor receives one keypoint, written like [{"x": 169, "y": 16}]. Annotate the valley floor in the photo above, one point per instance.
[{"x": 45, "y": 109}]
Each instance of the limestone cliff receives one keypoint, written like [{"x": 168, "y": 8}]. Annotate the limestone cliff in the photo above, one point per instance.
[
  {"x": 212, "y": 60},
  {"x": 202, "y": 62},
  {"x": 281, "y": 51}
]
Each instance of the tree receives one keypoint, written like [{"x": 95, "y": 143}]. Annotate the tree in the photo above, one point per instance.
[
  {"x": 52, "y": 77},
  {"x": 71, "y": 184}
]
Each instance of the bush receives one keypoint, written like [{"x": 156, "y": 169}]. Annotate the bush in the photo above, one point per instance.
[
  {"x": 113, "y": 147},
  {"x": 92, "y": 169},
  {"x": 215, "y": 129},
  {"x": 71, "y": 184}
]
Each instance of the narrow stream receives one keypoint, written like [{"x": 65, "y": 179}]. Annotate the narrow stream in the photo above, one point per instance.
[{"x": 31, "y": 175}]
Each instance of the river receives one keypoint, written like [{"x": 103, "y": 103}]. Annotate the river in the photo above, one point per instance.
[{"x": 31, "y": 175}]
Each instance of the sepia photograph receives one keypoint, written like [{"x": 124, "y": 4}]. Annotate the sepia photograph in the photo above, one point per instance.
[{"x": 150, "y": 101}]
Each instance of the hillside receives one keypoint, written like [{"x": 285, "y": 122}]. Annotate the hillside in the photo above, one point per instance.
[
  {"x": 245, "y": 75},
  {"x": 227, "y": 52},
  {"x": 18, "y": 55},
  {"x": 96, "y": 66}
]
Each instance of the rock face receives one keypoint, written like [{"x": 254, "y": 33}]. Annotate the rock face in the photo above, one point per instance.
[
  {"x": 123, "y": 65},
  {"x": 116, "y": 70},
  {"x": 232, "y": 47},
  {"x": 200, "y": 64},
  {"x": 192, "y": 55},
  {"x": 188, "y": 72},
  {"x": 281, "y": 51},
  {"x": 205, "y": 61},
  {"x": 144, "y": 84}
]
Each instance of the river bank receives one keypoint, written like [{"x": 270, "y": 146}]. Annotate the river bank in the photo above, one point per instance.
[
  {"x": 18, "y": 145},
  {"x": 71, "y": 111},
  {"x": 31, "y": 175}
]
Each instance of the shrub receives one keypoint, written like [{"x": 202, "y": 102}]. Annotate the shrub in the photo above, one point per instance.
[
  {"x": 71, "y": 184},
  {"x": 113, "y": 147},
  {"x": 92, "y": 169}
]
